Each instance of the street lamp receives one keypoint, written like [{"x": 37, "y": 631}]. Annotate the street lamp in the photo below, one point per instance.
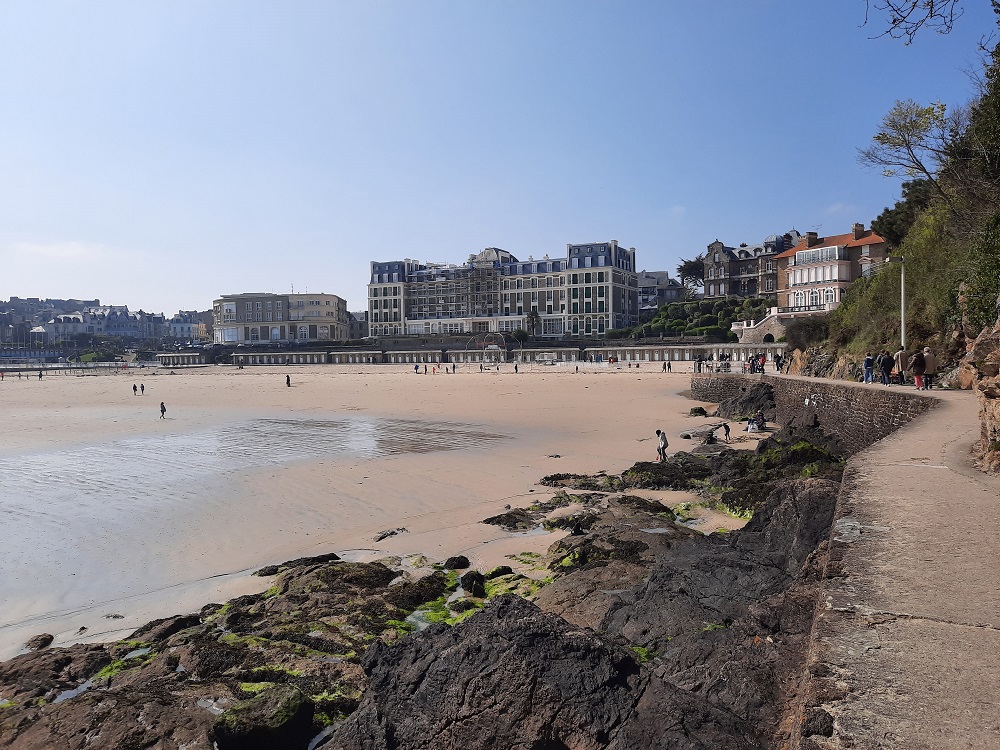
[{"x": 902, "y": 299}]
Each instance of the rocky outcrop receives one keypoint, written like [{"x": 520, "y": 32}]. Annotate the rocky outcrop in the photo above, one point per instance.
[
  {"x": 262, "y": 671},
  {"x": 979, "y": 370},
  {"x": 755, "y": 397},
  {"x": 655, "y": 636}
]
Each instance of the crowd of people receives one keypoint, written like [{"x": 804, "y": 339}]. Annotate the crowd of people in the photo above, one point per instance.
[{"x": 892, "y": 368}]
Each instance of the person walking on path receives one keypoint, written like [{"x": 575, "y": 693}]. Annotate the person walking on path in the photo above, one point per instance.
[
  {"x": 515, "y": 368},
  {"x": 288, "y": 381},
  {"x": 917, "y": 367},
  {"x": 661, "y": 446},
  {"x": 884, "y": 366},
  {"x": 869, "y": 368},
  {"x": 899, "y": 359},
  {"x": 668, "y": 366},
  {"x": 135, "y": 389},
  {"x": 163, "y": 411},
  {"x": 142, "y": 389},
  {"x": 664, "y": 367},
  {"x": 930, "y": 368}
]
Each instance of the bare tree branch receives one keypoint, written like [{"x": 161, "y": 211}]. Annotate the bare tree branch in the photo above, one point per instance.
[{"x": 905, "y": 18}]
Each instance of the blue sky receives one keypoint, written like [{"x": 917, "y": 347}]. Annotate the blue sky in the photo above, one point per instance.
[{"x": 159, "y": 154}]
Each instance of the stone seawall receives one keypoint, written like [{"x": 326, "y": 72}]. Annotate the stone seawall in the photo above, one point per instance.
[{"x": 859, "y": 415}]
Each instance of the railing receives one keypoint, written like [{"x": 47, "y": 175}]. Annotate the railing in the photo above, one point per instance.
[{"x": 807, "y": 308}]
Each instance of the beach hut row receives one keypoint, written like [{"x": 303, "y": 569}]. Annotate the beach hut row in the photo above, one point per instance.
[{"x": 490, "y": 355}]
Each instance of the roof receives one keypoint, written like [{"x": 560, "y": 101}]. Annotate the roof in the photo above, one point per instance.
[{"x": 868, "y": 237}]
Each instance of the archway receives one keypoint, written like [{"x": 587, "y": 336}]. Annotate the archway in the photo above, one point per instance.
[{"x": 768, "y": 338}]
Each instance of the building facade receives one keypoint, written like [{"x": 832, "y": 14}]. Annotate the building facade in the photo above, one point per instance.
[
  {"x": 815, "y": 274},
  {"x": 187, "y": 325},
  {"x": 594, "y": 288},
  {"x": 747, "y": 270},
  {"x": 657, "y": 288},
  {"x": 253, "y": 318}
]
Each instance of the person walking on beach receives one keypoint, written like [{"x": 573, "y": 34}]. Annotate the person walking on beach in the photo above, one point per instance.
[
  {"x": 416, "y": 369},
  {"x": 661, "y": 446},
  {"x": 725, "y": 430},
  {"x": 163, "y": 411},
  {"x": 142, "y": 389},
  {"x": 930, "y": 368},
  {"x": 515, "y": 368},
  {"x": 288, "y": 381},
  {"x": 668, "y": 366},
  {"x": 135, "y": 389},
  {"x": 899, "y": 359}
]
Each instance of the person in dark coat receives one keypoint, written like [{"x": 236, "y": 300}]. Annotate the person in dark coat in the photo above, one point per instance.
[{"x": 917, "y": 365}]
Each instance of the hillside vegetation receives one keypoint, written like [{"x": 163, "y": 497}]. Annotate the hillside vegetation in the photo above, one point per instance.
[
  {"x": 710, "y": 318},
  {"x": 946, "y": 226}
]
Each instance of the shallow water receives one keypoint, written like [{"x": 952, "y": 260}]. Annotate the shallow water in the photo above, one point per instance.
[{"x": 86, "y": 525}]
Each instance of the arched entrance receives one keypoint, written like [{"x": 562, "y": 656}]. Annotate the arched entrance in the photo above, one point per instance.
[{"x": 768, "y": 338}]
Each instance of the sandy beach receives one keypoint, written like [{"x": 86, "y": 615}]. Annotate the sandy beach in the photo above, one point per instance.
[{"x": 113, "y": 516}]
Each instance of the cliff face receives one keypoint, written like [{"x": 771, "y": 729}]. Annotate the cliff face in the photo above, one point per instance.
[{"x": 979, "y": 370}]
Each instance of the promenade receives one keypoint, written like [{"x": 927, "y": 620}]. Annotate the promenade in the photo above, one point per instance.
[{"x": 905, "y": 651}]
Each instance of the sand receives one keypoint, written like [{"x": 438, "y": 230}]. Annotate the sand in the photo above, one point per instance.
[{"x": 113, "y": 516}]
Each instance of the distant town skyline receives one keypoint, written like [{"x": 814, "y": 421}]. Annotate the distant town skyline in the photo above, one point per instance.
[{"x": 159, "y": 155}]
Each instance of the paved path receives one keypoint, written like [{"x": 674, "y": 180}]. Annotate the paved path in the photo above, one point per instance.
[{"x": 908, "y": 652}]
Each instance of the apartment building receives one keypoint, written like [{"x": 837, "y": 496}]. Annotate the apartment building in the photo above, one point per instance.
[
  {"x": 657, "y": 288},
  {"x": 252, "y": 318},
  {"x": 747, "y": 270},
  {"x": 187, "y": 325},
  {"x": 815, "y": 274},
  {"x": 592, "y": 289}
]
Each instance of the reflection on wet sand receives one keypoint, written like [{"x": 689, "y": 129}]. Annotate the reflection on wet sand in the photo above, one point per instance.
[{"x": 101, "y": 521}]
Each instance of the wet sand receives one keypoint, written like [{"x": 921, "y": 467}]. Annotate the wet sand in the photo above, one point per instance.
[{"x": 113, "y": 517}]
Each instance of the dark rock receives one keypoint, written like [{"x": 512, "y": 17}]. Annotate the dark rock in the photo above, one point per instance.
[
  {"x": 279, "y": 717},
  {"x": 300, "y": 562},
  {"x": 38, "y": 642},
  {"x": 474, "y": 583},
  {"x": 556, "y": 686},
  {"x": 698, "y": 411},
  {"x": 389, "y": 532},
  {"x": 499, "y": 570},
  {"x": 458, "y": 562},
  {"x": 412, "y": 594},
  {"x": 160, "y": 630},
  {"x": 462, "y": 605},
  {"x": 753, "y": 398},
  {"x": 817, "y": 721},
  {"x": 514, "y": 520}
]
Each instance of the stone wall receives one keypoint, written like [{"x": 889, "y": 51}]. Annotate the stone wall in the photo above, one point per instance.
[{"x": 860, "y": 415}]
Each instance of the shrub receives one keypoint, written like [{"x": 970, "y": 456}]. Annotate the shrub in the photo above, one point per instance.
[{"x": 801, "y": 333}]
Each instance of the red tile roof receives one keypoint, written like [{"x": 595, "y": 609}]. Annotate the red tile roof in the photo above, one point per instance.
[{"x": 868, "y": 237}]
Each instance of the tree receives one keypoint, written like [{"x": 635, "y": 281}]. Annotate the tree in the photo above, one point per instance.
[
  {"x": 914, "y": 141},
  {"x": 907, "y": 17},
  {"x": 893, "y": 223},
  {"x": 519, "y": 335},
  {"x": 692, "y": 272},
  {"x": 533, "y": 320}
]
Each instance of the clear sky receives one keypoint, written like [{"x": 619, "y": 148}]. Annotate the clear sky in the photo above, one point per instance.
[{"x": 161, "y": 153}]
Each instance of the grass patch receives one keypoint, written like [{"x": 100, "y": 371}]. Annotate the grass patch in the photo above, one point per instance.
[
  {"x": 643, "y": 654},
  {"x": 713, "y": 626},
  {"x": 255, "y": 687}
]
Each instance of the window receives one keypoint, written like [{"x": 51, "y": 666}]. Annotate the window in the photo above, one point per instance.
[{"x": 303, "y": 332}]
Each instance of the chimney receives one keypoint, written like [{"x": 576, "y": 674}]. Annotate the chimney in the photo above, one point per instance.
[
  {"x": 858, "y": 229},
  {"x": 811, "y": 239}
]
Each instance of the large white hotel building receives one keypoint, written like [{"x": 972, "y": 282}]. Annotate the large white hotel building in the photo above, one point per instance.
[{"x": 593, "y": 289}]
